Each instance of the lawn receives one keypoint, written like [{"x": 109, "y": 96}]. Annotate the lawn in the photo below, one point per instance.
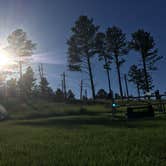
[{"x": 81, "y": 139}]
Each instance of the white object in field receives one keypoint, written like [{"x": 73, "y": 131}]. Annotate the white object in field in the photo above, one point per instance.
[
  {"x": 148, "y": 93},
  {"x": 3, "y": 113}
]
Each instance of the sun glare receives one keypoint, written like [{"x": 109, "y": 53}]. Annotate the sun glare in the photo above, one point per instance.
[{"x": 5, "y": 59}]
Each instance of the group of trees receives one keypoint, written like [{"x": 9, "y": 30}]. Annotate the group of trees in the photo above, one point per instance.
[
  {"x": 25, "y": 85},
  {"x": 29, "y": 87},
  {"x": 87, "y": 41},
  {"x": 137, "y": 77}
]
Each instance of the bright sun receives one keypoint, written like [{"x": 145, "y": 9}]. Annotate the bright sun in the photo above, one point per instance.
[{"x": 4, "y": 58}]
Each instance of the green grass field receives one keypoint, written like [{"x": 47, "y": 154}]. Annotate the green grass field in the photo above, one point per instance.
[{"x": 60, "y": 134}]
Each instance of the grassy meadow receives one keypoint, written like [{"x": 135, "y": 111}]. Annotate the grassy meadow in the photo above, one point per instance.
[{"x": 46, "y": 133}]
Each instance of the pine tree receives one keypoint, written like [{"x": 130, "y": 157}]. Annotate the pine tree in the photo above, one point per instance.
[
  {"x": 143, "y": 43},
  {"x": 101, "y": 49},
  {"x": 27, "y": 81},
  {"x": 117, "y": 47},
  {"x": 81, "y": 47},
  {"x": 20, "y": 46},
  {"x": 137, "y": 76},
  {"x": 70, "y": 95}
]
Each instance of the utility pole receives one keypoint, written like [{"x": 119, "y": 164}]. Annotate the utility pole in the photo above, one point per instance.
[
  {"x": 127, "y": 90},
  {"x": 81, "y": 89},
  {"x": 64, "y": 84}
]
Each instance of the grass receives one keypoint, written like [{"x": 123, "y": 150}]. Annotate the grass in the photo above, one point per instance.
[{"x": 80, "y": 139}]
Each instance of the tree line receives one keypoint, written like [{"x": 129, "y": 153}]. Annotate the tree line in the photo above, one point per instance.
[
  {"x": 87, "y": 41},
  {"x": 111, "y": 46},
  {"x": 27, "y": 87}
]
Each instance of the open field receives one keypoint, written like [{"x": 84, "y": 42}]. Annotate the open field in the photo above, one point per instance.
[{"x": 38, "y": 135}]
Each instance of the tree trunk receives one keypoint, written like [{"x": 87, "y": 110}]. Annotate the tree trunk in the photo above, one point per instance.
[
  {"x": 119, "y": 78},
  {"x": 138, "y": 91},
  {"x": 91, "y": 77},
  {"x": 20, "y": 70},
  {"x": 145, "y": 72},
  {"x": 108, "y": 76},
  {"x": 126, "y": 84}
]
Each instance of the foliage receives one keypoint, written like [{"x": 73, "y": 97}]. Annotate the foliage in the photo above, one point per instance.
[
  {"x": 137, "y": 76},
  {"x": 102, "y": 50},
  {"x": 28, "y": 81},
  {"x": 19, "y": 44},
  {"x": 44, "y": 89},
  {"x": 117, "y": 46},
  {"x": 150, "y": 82},
  {"x": 59, "y": 95},
  {"x": 143, "y": 43},
  {"x": 81, "y": 47},
  {"x": 101, "y": 94},
  {"x": 70, "y": 95},
  {"x": 117, "y": 96}
]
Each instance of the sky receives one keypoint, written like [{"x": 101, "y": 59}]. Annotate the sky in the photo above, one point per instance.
[{"x": 49, "y": 22}]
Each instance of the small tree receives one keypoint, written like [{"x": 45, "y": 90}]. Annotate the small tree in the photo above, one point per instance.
[
  {"x": 59, "y": 95},
  {"x": 82, "y": 47},
  {"x": 101, "y": 94},
  {"x": 70, "y": 95},
  {"x": 137, "y": 76},
  {"x": 28, "y": 81},
  {"x": 117, "y": 46},
  {"x": 143, "y": 43},
  {"x": 44, "y": 89},
  {"x": 143, "y": 83}
]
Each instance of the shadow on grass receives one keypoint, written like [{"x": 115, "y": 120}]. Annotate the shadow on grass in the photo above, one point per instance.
[
  {"x": 34, "y": 116},
  {"x": 77, "y": 121}
]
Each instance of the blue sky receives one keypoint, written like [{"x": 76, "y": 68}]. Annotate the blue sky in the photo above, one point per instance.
[{"x": 48, "y": 23}]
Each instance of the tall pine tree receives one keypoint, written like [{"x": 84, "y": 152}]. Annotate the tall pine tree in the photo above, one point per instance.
[
  {"x": 81, "y": 47},
  {"x": 143, "y": 43}
]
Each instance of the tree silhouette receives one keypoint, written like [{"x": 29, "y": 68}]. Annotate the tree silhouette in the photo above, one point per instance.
[
  {"x": 143, "y": 83},
  {"x": 101, "y": 94},
  {"x": 59, "y": 95},
  {"x": 44, "y": 89},
  {"x": 143, "y": 43},
  {"x": 137, "y": 76},
  {"x": 81, "y": 47},
  {"x": 20, "y": 46},
  {"x": 117, "y": 46},
  {"x": 70, "y": 95},
  {"x": 101, "y": 49},
  {"x": 28, "y": 81}
]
